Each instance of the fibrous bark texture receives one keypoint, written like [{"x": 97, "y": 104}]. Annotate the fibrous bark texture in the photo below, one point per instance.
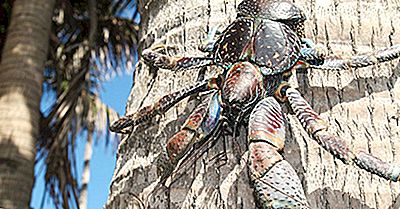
[
  {"x": 361, "y": 105},
  {"x": 21, "y": 77}
]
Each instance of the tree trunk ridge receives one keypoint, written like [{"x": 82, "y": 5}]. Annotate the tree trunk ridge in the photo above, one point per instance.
[{"x": 361, "y": 105}]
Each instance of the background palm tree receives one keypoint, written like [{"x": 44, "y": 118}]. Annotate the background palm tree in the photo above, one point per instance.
[
  {"x": 90, "y": 41},
  {"x": 362, "y": 106},
  {"x": 21, "y": 76}
]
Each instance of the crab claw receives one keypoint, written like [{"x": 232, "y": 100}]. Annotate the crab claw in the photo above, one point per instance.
[
  {"x": 120, "y": 125},
  {"x": 149, "y": 56},
  {"x": 158, "y": 60}
]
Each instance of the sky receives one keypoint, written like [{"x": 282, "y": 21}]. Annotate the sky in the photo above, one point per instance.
[{"x": 115, "y": 93}]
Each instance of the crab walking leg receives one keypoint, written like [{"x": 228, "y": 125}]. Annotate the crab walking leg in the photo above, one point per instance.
[
  {"x": 174, "y": 63},
  {"x": 317, "y": 128},
  {"x": 382, "y": 55},
  {"x": 162, "y": 105},
  {"x": 198, "y": 125},
  {"x": 276, "y": 183}
]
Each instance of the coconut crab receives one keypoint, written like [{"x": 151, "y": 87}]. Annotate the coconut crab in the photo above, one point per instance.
[{"x": 258, "y": 52}]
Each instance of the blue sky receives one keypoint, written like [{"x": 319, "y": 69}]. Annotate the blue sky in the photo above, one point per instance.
[{"x": 115, "y": 93}]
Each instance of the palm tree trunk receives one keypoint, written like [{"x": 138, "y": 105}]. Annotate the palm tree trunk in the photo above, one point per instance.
[
  {"x": 86, "y": 170},
  {"x": 361, "y": 106},
  {"x": 23, "y": 59},
  {"x": 89, "y": 141}
]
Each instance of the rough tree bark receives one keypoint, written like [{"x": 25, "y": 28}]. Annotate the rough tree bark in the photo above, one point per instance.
[
  {"x": 21, "y": 77},
  {"x": 361, "y": 105}
]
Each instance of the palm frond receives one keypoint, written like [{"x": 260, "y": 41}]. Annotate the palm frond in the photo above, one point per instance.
[
  {"x": 83, "y": 53},
  {"x": 57, "y": 146},
  {"x": 116, "y": 38}
]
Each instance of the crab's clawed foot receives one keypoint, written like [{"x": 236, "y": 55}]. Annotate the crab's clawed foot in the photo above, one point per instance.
[
  {"x": 158, "y": 60},
  {"x": 123, "y": 124},
  {"x": 120, "y": 125},
  {"x": 174, "y": 63}
]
